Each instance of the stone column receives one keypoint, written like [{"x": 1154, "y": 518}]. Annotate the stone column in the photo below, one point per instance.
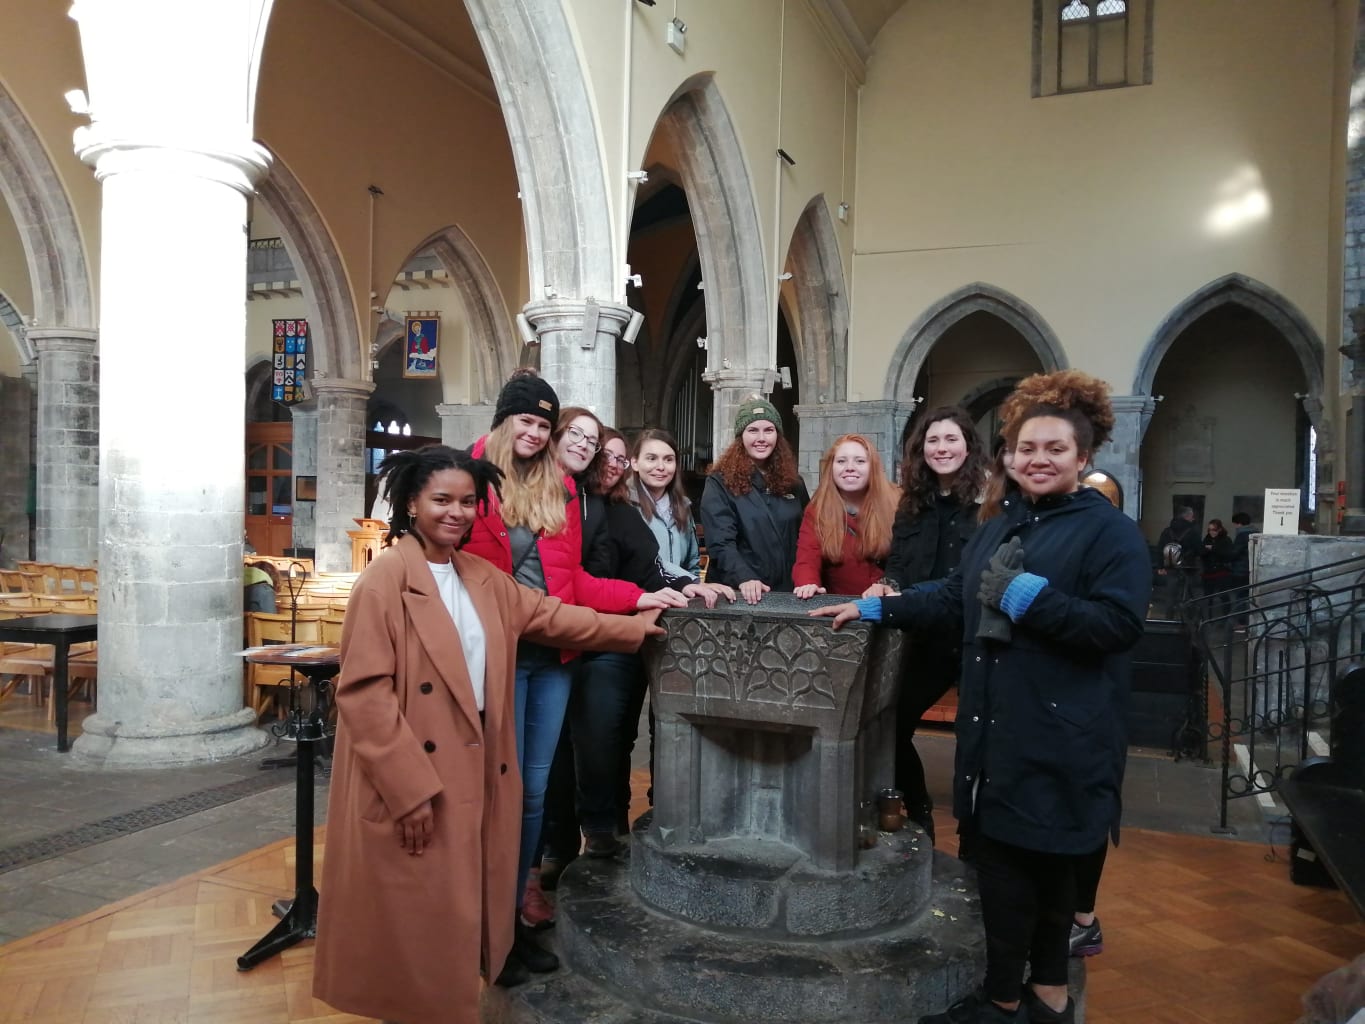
[
  {"x": 731, "y": 387},
  {"x": 340, "y": 468},
  {"x": 880, "y": 421},
  {"x": 462, "y": 425},
  {"x": 1122, "y": 456},
  {"x": 171, "y": 501},
  {"x": 16, "y": 398},
  {"x": 578, "y": 350},
  {"x": 68, "y": 444},
  {"x": 305, "y": 450}
]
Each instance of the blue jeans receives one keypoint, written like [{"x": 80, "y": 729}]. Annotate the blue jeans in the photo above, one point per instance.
[
  {"x": 604, "y": 712},
  {"x": 542, "y": 697}
]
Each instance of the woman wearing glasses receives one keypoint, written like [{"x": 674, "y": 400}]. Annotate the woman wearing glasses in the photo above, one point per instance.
[{"x": 534, "y": 533}]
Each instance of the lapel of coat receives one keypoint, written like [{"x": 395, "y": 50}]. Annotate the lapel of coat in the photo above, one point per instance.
[
  {"x": 435, "y": 629},
  {"x": 475, "y": 574}
]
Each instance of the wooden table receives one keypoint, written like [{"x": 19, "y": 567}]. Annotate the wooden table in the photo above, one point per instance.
[{"x": 61, "y": 631}]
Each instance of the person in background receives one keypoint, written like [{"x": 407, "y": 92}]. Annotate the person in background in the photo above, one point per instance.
[
  {"x": 943, "y": 475},
  {"x": 1050, "y": 598},
  {"x": 752, "y": 504},
  {"x": 533, "y": 532},
  {"x": 424, "y": 809},
  {"x": 846, "y": 530},
  {"x": 1216, "y": 554},
  {"x": 1241, "y": 558}
]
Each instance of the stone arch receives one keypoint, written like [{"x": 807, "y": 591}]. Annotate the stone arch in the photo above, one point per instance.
[
  {"x": 63, "y": 293},
  {"x": 546, "y": 103},
  {"x": 13, "y": 321},
  {"x": 1264, "y": 301},
  {"x": 725, "y": 219},
  {"x": 496, "y": 346},
  {"x": 822, "y": 305},
  {"x": 921, "y": 336},
  {"x": 327, "y": 293}
]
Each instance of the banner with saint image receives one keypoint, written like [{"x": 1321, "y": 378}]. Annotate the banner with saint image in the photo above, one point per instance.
[{"x": 420, "y": 339}]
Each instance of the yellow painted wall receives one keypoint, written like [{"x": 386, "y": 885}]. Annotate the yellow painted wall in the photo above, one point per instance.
[
  {"x": 347, "y": 108},
  {"x": 40, "y": 60},
  {"x": 750, "y": 47},
  {"x": 1098, "y": 209}
]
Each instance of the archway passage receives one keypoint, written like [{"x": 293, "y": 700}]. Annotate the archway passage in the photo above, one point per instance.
[
  {"x": 975, "y": 362},
  {"x": 1229, "y": 423}
]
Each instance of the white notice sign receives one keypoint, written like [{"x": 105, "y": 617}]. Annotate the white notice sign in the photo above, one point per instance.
[{"x": 1281, "y": 510}]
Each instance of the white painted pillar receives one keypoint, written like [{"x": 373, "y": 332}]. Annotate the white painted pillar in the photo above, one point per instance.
[
  {"x": 171, "y": 97},
  {"x": 67, "y": 456},
  {"x": 340, "y": 468}
]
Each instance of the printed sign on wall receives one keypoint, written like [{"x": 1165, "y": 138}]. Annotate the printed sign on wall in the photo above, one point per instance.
[
  {"x": 420, "y": 346},
  {"x": 291, "y": 361}
]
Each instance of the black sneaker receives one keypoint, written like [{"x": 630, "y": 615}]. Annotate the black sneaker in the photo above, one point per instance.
[
  {"x": 537, "y": 958},
  {"x": 1040, "y": 1013},
  {"x": 1086, "y": 939},
  {"x": 513, "y": 973},
  {"x": 977, "y": 1009}
]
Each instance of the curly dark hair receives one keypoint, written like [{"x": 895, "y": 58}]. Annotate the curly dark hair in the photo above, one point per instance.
[
  {"x": 403, "y": 474},
  {"x": 1077, "y": 397},
  {"x": 736, "y": 468},
  {"x": 919, "y": 483}
]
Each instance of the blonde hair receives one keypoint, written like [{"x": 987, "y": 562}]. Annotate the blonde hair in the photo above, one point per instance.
[
  {"x": 876, "y": 517},
  {"x": 533, "y": 493}
]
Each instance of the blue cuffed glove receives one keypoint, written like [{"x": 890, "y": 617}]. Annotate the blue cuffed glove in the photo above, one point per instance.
[{"x": 869, "y": 609}]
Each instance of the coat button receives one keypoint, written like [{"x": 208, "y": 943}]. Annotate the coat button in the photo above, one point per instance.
[
  {"x": 429, "y": 747},
  {"x": 967, "y": 777},
  {"x": 502, "y": 769},
  {"x": 425, "y": 687},
  {"x": 978, "y": 657},
  {"x": 976, "y": 718}
]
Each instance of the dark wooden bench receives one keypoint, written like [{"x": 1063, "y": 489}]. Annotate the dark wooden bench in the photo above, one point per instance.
[{"x": 1326, "y": 796}]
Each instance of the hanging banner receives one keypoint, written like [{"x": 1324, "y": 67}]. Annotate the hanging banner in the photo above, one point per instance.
[
  {"x": 420, "y": 350},
  {"x": 291, "y": 361}
]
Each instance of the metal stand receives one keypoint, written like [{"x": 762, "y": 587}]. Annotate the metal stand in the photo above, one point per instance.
[{"x": 299, "y": 917}]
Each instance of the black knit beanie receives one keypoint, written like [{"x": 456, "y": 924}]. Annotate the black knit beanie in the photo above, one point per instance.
[{"x": 527, "y": 393}]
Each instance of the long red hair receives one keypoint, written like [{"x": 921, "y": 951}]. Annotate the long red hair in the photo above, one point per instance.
[
  {"x": 875, "y": 518},
  {"x": 735, "y": 467}
]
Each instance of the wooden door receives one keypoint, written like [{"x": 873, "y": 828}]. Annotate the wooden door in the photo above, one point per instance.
[{"x": 270, "y": 487}]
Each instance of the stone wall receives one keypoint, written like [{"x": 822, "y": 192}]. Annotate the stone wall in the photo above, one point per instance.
[{"x": 16, "y": 398}]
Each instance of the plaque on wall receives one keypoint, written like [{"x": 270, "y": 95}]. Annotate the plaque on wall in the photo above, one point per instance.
[{"x": 1190, "y": 448}]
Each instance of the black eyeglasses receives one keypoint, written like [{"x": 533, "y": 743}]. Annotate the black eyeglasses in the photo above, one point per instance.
[
  {"x": 577, "y": 436},
  {"x": 618, "y": 460}
]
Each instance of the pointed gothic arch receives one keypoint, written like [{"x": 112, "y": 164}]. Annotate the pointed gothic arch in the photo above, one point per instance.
[
  {"x": 922, "y": 335},
  {"x": 63, "y": 293},
  {"x": 327, "y": 294},
  {"x": 1265, "y": 302},
  {"x": 725, "y": 219},
  {"x": 822, "y": 305}
]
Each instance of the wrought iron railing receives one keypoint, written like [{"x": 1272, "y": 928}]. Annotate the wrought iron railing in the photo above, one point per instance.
[{"x": 1275, "y": 653}]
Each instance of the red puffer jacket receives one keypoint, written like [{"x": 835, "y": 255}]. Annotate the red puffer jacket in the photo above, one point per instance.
[{"x": 561, "y": 556}]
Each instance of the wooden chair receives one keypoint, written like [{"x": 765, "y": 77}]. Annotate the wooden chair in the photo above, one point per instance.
[
  {"x": 89, "y": 578},
  {"x": 24, "y": 663},
  {"x": 331, "y": 627},
  {"x": 52, "y": 575},
  {"x": 74, "y": 604},
  {"x": 263, "y": 682},
  {"x": 68, "y": 580},
  {"x": 12, "y": 581}
]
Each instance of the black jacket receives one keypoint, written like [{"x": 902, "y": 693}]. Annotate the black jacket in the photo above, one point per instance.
[
  {"x": 1216, "y": 553},
  {"x": 1041, "y": 742},
  {"x": 752, "y": 536},
  {"x": 624, "y": 547},
  {"x": 1184, "y": 532},
  {"x": 914, "y": 542}
]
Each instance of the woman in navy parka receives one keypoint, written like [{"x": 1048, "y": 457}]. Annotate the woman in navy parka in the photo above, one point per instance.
[{"x": 1050, "y": 597}]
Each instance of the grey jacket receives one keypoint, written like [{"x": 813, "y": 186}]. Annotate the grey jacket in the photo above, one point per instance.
[{"x": 678, "y": 550}]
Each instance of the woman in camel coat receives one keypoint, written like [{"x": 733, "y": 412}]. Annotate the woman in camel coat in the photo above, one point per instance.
[{"x": 424, "y": 814}]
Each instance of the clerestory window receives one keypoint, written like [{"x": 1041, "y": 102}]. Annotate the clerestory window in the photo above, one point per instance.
[{"x": 1080, "y": 45}]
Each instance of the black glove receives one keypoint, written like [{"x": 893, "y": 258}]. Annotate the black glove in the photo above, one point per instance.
[{"x": 1006, "y": 564}]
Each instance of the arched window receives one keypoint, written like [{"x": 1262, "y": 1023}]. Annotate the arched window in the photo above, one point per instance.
[{"x": 1091, "y": 44}]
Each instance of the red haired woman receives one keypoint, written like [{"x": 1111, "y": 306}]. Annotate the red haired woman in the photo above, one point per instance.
[{"x": 846, "y": 530}]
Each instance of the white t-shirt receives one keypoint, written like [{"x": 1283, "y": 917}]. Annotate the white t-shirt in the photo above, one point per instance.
[{"x": 462, "y": 610}]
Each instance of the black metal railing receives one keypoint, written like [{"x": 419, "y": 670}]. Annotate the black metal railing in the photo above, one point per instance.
[{"x": 1276, "y": 651}]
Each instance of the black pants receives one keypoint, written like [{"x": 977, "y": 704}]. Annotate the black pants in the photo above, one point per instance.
[
  {"x": 1028, "y": 901},
  {"x": 927, "y": 674},
  {"x": 1088, "y": 871}
]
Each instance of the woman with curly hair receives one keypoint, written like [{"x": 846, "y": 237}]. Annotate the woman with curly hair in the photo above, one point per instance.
[
  {"x": 846, "y": 530},
  {"x": 423, "y": 814},
  {"x": 1049, "y": 599},
  {"x": 752, "y": 504},
  {"x": 944, "y": 474}
]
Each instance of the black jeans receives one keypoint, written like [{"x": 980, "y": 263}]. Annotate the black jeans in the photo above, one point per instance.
[
  {"x": 1028, "y": 902},
  {"x": 926, "y": 675},
  {"x": 604, "y": 713}
]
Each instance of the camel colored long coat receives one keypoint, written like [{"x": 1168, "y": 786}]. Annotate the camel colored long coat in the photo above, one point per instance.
[{"x": 404, "y": 937}]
